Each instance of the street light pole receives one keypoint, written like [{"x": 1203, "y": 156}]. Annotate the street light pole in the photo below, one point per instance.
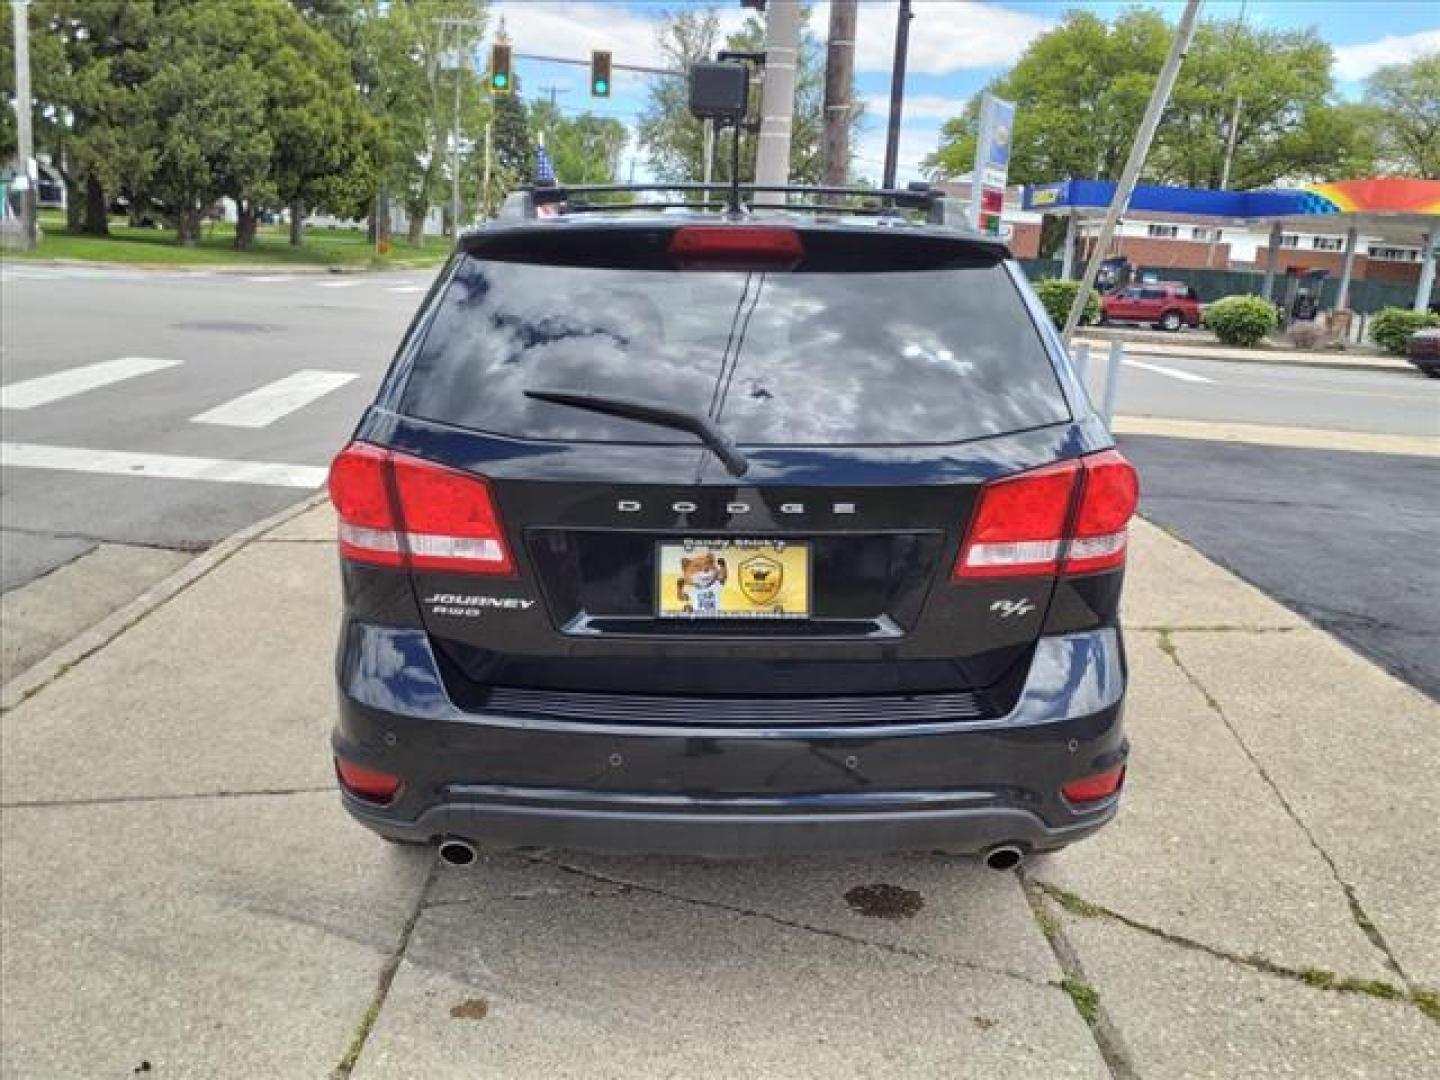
[
  {"x": 897, "y": 92},
  {"x": 1164, "y": 84},
  {"x": 24, "y": 108}
]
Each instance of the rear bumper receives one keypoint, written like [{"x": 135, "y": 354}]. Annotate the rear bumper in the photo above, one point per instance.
[{"x": 519, "y": 781}]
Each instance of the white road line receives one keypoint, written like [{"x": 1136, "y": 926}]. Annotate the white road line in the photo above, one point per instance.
[
  {"x": 30, "y": 393},
  {"x": 338, "y": 284},
  {"x": 406, "y": 288},
  {"x": 163, "y": 466},
  {"x": 271, "y": 279},
  {"x": 263, "y": 406},
  {"x": 1174, "y": 373}
]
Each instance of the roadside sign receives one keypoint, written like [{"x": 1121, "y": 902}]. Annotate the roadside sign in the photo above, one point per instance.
[{"x": 992, "y": 163}]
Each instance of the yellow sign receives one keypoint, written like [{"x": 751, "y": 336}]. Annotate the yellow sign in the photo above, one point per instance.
[
  {"x": 734, "y": 579},
  {"x": 1044, "y": 196}
]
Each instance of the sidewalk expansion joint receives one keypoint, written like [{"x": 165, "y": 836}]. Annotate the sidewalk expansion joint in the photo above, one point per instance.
[
  {"x": 790, "y": 924},
  {"x": 387, "y": 978},
  {"x": 1357, "y": 911},
  {"x": 121, "y": 800},
  {"x": 1077, "y": 986},
  {"x": 1426, "y": 1001}
]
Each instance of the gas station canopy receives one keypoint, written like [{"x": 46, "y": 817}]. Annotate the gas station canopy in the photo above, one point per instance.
[{"x": 1399, "y": 209}]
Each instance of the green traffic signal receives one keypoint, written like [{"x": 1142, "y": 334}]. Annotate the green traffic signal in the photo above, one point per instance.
[
  {"x": 501, "y": 81},
  {"x": 601, "y": 87},
  {"x": 600, "y": 73}
]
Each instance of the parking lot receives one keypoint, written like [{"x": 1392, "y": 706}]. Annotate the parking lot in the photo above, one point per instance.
[{"x": 184, "y": 897}]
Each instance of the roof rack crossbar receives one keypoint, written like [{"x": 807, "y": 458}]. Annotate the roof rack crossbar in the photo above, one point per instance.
[{"x": 917, "y": 198}]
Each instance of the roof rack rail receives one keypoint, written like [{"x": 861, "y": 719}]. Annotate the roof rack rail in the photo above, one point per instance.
[
  {"x": 552, "y": 199},
  {"x": 915, "y": 197}
]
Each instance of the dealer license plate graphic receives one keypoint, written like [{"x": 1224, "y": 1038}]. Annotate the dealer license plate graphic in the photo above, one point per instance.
[{"x": 734, "y": 579}]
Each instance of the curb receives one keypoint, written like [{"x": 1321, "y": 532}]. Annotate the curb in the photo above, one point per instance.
[
  {"x": 43, "y": 672},
  {"x": 1274, "y": 358}
]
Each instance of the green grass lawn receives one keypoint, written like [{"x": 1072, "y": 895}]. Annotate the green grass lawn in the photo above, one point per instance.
[{"x": 138, "y": 247}]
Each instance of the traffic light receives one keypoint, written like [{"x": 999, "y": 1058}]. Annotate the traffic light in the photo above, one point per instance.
[
  {"x": 502, "y": 79},
  {"x": 600, "y": 74}
]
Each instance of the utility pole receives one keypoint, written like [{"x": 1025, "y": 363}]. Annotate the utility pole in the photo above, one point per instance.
[
  {"x": 459, "y": 66},
  {"x": 24, "y": 107},
  {"x": 777, "y": 92},
  {"x": 839, "y": 80},
  {"x": 485, "y": 180},
  {"x": 1164, "y": 84},
  {"x": 897, "y": 92}
]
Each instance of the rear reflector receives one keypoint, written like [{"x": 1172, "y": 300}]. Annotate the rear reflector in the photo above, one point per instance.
[
  {"x": 369, "y": 784},
  {"x": 1099, "y": 786},
  {"x": 398, "y": 510},
  {"x": 736, "y": 243},
  {"x": 1022, "y": 524}
]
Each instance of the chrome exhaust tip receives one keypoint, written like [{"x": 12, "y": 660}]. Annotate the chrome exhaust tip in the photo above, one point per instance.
[
  {"x": 457, "y": 852},
  {"x": 1004, "y": 857}
]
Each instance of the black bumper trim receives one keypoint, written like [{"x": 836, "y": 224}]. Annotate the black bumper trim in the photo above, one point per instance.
[{"x": 967, "y": 830}]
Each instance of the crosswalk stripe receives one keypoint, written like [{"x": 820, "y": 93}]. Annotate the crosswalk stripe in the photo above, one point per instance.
[
  {"x": 1170, "y": 372},
  {"x": 162, "y": 466},
  {"x": 30, "y": 393},
  {"x": 264, "y": 405}
]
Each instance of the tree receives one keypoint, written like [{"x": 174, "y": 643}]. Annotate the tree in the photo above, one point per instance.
[
  {"x": 583, "y": 149},
  {"x": 514, "y": 147},
  {"x": 214, "y": 140},
  {"x": 1404, "y": 100},
  {"x": 411, "y": 83},
  {"x": 1081, "y": 89},
  {"x": 674, "y": 141},
  {"x": 89, "y": 65}
]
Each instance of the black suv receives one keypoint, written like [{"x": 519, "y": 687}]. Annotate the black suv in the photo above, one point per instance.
[{"x": 731, "y": 534}]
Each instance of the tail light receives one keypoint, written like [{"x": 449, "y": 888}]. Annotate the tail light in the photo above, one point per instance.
[
  {"x": 371, "y": 785},
  {"x": 398, "y": 510},
  {"x": 1093, "y": 788},
  {"x": 1024, "y": 526}
]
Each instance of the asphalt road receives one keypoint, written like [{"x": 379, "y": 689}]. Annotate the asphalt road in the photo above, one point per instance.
[
  {"x": 1349, "y": 540},
  {"x": 220, "y": 398},
  {"x": 228, "y": 369}
]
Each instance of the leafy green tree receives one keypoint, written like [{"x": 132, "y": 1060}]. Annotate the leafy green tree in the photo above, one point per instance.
[
  {"x": 1404, "y": 100},
  {"x": 1082, "y": 88},
  {"x": 89, "y": 66},
  {"x": 215, "y": 140},
  {"x": 584, "y": 149},
  {"x": 514, "y": 146}
]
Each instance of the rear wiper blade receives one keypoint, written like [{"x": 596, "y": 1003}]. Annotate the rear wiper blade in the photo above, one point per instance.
[{"x": 698, "y": 424}]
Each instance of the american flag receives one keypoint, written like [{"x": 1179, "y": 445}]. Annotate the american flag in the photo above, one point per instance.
[{"x": 544, "y": 170}]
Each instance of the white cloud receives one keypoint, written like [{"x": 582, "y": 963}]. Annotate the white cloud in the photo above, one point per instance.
[
  {"x": 945, "y": 35},
  {"x": 917, "y": 107},
  {"x": 915, "y": 145},
  {"x": 1355, "y": 62}
]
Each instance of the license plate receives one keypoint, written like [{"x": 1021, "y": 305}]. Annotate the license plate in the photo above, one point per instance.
[{"x": 704, "y": 578}]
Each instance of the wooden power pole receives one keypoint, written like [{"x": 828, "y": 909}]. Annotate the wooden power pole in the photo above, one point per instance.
[{"x": 839, "y": 83}]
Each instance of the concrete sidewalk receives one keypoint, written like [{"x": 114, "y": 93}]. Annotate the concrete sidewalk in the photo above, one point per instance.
[{"x": 181, "y": 895}]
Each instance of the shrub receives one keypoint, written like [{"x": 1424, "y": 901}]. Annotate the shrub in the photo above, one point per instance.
[
  {"x": 1392, "y": 327},
  {"x": 1057, "y": 295},
  {"x": 1241, "y": 320}
]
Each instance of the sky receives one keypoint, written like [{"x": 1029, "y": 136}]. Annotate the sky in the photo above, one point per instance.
[{"x": 956, "y": 47}]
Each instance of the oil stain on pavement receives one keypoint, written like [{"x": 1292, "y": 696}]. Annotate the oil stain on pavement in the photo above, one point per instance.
[{"x": 882, "y": 901}]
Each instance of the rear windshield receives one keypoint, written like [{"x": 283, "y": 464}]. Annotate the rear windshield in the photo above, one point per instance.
[{"x": 777, "y": 358}]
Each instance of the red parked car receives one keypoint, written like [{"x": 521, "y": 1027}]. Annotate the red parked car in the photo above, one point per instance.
[{"x": 1168, "y": 305}]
